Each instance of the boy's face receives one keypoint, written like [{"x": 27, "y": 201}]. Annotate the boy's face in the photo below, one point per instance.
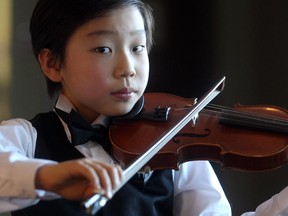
[{"x": 106, "y": 66}]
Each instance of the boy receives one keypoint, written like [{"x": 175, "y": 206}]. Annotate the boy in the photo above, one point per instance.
[{"x": 94, "y": 55}]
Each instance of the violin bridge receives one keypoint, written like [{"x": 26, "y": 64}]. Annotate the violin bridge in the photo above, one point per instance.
[{"x": 194, "y": 120}]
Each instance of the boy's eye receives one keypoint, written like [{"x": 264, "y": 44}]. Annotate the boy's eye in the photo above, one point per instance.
[
  {"x": 139, "y": 48},
  {"x": 104, "y": 50}
]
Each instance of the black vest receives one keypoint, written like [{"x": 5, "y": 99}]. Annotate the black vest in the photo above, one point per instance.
[{"x": 155, "y": 198}]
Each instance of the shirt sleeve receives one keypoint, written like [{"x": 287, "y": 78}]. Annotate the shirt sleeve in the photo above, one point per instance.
[
  {"x": 276, "y": 206},
  {"x": 198, "y": 191},
  {"x": 17, "y": 165}
]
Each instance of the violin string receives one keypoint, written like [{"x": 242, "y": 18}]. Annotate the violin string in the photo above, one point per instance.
[
  {"x": 240, "y": 117},
  {"x": 248, "y": 117},
  {"x": 251, "y": 115}
]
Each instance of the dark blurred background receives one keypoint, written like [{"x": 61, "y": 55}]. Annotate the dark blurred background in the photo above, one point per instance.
[
  {"x": 244, "y": 40},
  {"x": 195, "y": 45}
]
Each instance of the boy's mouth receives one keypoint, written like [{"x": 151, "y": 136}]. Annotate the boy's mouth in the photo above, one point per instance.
[{"x": 124, "y": 94}]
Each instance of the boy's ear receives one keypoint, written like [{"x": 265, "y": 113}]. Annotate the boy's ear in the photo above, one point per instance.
[{"x": 50, "y": 69}]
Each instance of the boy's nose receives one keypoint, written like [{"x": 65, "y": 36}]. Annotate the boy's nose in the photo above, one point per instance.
[
  {"x": 128, "y": 73},
  {"x": 125, "y": 67}
]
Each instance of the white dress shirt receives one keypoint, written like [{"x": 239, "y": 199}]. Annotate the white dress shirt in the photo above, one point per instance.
[{"x": 196, "y": 187}]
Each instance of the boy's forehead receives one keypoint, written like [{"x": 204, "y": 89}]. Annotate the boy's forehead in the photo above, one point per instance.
[{"x": 125, "y": 19}]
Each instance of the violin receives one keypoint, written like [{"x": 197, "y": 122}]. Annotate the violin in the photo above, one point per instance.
[
  {"x": 169, "y": 130},
  {"x": 249, "y": 138}
]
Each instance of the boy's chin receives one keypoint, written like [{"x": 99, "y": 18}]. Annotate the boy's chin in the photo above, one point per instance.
[{"x": 131, "y": 111}]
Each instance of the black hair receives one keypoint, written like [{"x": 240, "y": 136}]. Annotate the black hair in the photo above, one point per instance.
[{"x": 54, "y": 21}]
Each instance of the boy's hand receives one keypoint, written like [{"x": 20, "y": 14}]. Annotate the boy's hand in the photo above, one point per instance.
[{"x": 79, "y": 179}]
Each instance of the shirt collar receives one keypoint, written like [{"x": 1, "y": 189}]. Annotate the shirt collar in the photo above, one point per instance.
[{"x": 64, "y": 104}]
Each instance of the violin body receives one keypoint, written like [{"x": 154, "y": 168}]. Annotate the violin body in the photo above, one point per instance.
[{"x": 207, "y": 138}]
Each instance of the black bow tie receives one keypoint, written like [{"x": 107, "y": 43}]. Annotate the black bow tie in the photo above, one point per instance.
[{"x": 81, "y": 131}]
